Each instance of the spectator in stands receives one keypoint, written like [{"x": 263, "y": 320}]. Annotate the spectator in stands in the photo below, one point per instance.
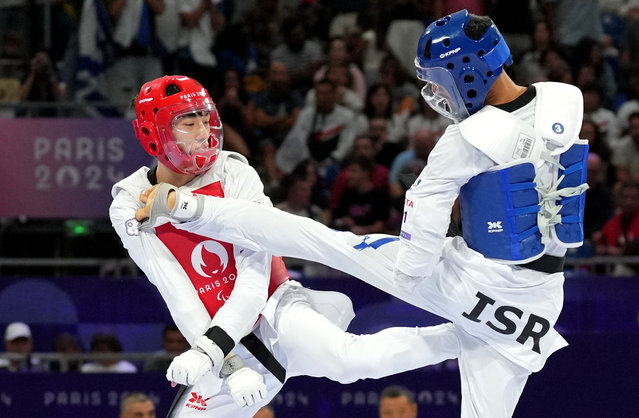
[
  {"x": 104, "y": 344},
  {"x": 363, "y": 209},
  {"x": 41, "y": 85},
  {"x": 599, "y": 207},
  {"x": 338, "y": 73},
  {"x": 397, "y": 402},
  {"x": 338, "y": 53},
  {"x": 136, "y": 405},
  {"x": 404, "y": 91},
  {"x": 15, "y": 61},
  {"x": 235, "y": 50},
  {"x": 134, "y": 38},
  {"x": 277, "y": 106},
  {"x": 379, "y": 104},
  {"x": 631, "y": 103},
  {"x": 597, "y": 145},
  {"x": 235, "y": 104},
  {"x": 556, "y": 66},
  {"x": 263, "y": 19},
  {"x": 386, "y": 151},
  {"x": 314, "y": 15},
  {"x": 529, "y": 67},
  {"x": 201, "y": 20},
  {"x": 620, "y": 235},
  {"x": 369, "y": 51},
  {"x": 309, "y": 170},
  {"x": 18, "y": 340},
  {"x": 590, "y": 57},
  {"x": 167, "y": 28},
  {"x": 626, "y": 156},
  {"x": 405, "y": 167},
  {"x": 66, "y": 343},
  {"x": 276, "y": 110},
  {"x": 630, "y": 39},
  {"x": 622, "y": 230},
  {"x": 411, "y": 161},
  {"x": 515, "y": 31},
  {"x": 323, "y": 132},
  {"x": 571, "y": 21},
  {"x": 302, "y": 56},
  {"x": 363, "y": 145},
  {"x": 298, "y": 198},
  {"x": 14, "y": 67},
  {"x": 173, "y": 344},
  {"x": 605, "y": 118},
  {"x": 298, "y": 189}
]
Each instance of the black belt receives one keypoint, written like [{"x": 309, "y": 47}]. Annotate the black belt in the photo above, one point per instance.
[
  {"x": 253, "y": 345},
  {"x": 546, "y": 264},
  {"x": 264, "y": 356}
]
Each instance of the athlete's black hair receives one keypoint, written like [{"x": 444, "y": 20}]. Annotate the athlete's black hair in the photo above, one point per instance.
[
  {"x": 477, "y": 26},
  {"x": 171, "y": 89}
]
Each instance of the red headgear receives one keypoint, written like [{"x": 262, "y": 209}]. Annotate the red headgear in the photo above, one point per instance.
[{"x": 158, "y": 105}]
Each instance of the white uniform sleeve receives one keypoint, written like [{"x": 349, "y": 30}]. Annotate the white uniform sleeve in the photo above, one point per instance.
[
  {"x": 160, "y": 267},
  {"x": 241, "y": 311},
  {"x": 429, "y": 202}
]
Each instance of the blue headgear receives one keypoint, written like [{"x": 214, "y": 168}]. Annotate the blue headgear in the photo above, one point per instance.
[{"x": 459, "y": 70}]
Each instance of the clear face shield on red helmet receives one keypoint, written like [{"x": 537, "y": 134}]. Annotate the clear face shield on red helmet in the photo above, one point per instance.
[{"x": 194, "y": 136}]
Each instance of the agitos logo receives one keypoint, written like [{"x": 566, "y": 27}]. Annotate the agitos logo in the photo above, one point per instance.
[{"x": 196, "y": 402}]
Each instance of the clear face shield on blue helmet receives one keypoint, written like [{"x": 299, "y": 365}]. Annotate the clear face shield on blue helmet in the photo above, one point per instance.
[{"x": 441, "y": 93}]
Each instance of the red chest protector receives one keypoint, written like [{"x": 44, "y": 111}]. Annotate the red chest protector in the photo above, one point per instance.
[{"x": 209, "y": 263}]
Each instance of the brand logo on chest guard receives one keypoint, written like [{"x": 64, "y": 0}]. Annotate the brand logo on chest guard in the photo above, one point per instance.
[{"x": 494, "y": 227}]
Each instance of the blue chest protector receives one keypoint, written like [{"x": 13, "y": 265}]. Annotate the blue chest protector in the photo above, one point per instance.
[{"x": 508, "y": 216}]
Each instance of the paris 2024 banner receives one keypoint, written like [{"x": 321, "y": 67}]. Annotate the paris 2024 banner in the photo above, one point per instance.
[{"x": 64, "y": 168}]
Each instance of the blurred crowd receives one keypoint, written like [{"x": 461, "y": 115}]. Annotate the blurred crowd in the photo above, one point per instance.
[
  {"x": 321, "y": 96},
  {"x": 104, "y": 354}
]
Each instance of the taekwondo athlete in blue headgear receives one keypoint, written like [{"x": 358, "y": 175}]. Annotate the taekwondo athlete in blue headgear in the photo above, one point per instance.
[{"x": 515, "y": 161}]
